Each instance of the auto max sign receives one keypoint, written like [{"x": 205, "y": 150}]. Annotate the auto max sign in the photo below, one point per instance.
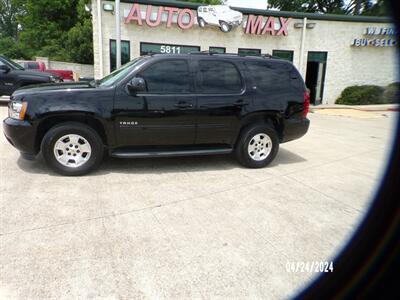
[{"x": 221, "y": 16}]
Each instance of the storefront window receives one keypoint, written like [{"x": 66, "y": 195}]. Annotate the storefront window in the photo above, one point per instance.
[
  {"x": 284, "y": 54},
  {"x": 148, "y": 48},
  {"x": 317, "y": 56},
  {"x": 249, "y": 52},
  {"x": 125, "y": 53},
  {"x": 217, "y": 49}
]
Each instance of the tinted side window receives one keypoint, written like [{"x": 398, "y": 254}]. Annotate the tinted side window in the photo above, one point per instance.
[
  {"x": 171, "y": 76},
  {"x": 218, "y": 77},
  {"x": 269, "y": 77},
  {"x": 296, "y": 80},
  {"x": 33, "y": 66}
]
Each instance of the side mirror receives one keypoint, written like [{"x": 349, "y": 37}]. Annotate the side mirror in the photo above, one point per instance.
[
  {"x": 137, "y": 84},
  {"x": 4, "y": 69}
]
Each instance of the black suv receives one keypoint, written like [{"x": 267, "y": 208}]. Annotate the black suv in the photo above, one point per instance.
[
  {"x": 163, "y": 105},
  {"x": 14, "y": 76}
]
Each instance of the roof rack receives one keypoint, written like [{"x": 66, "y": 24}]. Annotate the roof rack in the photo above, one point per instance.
[
  {"x": 151, "y": 53},
  {"x": 270, "y": 56},
  {"x": 207, "y": 52}
]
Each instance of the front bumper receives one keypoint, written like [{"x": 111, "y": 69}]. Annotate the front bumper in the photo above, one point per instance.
[
  {"x": 235, "y": 23},
  {"x": 20, "y": 134},
  {"x": 295, "y": 129}
]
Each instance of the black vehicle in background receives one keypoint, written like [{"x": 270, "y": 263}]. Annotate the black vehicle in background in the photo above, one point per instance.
[
  {"x": 164, "y": 105},
  {"x": 14, "y": 76}
]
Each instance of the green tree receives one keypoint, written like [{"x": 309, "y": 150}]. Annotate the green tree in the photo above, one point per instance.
[
  {"x": 59, "y": 29},
  {"x": 380, "y": 8},
  {"x": 9, "y": 11},
  {"x": 45, "y": 25},
  {"x": 315, "y": 6},
  {"x": 355, "y": 7},
  {"x": 79, "y": 42},
  {"x": 10, "y": 48}
]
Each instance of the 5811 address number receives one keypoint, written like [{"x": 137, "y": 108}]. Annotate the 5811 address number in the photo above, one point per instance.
[{"x": 170, "y": 49}]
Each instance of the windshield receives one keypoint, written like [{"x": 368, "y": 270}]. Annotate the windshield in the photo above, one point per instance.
[
  {"x": 224, "y": 9},
  {"x": 109, "y": 80},
  {"x": 12, "y": 64}
]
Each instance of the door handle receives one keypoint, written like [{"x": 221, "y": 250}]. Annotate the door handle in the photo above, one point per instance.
[
  {"x": 241, "y": 102},
  {"x": 183, "y": 105}
]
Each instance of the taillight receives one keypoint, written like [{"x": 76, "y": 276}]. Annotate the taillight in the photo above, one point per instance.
[{"x": 306, "y": 108}]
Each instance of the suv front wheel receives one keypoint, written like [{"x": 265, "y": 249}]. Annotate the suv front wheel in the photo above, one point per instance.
[
  {"x": 257, "y": 146},
  {"x": 225, "y": 27},
  {"x": 72, "y": 149}
]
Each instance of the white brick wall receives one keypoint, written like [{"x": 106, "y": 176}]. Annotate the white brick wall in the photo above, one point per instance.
[{"x": 346, "y": 65}]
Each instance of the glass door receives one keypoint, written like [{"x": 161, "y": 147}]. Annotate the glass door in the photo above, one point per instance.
[{"x": 315, "y": 75}]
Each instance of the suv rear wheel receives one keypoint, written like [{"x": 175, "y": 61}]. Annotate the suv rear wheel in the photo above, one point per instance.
[
  {"x": 72, "y": 149},
  {"x": 201, "y": 22},
  {"x": 257, "y": 146}
]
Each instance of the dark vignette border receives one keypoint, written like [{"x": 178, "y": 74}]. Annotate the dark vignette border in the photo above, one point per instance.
[{"x": 368, "y": 267}]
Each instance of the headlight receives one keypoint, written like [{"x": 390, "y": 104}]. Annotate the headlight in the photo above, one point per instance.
[
  {"x": 17, "y": 110},
  {"x": 55, "y": 79}
]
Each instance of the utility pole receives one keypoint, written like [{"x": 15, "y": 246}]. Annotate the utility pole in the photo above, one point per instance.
[
  {"x": 303, "y": 40},
  {"x": 100, "y": 38},
  {"x": 118, "y": 33}
]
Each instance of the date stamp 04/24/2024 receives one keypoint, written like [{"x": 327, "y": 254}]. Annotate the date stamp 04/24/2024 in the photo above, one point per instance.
[{"x": 309, "y": 266}]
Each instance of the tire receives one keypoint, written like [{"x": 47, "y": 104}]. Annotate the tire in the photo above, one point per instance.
[
  {"x": 225, "y": 27},
  {"x": 85, "y": 154},
  {"x": 257, "y": 146},
  {"x": 201, "y": 22}
]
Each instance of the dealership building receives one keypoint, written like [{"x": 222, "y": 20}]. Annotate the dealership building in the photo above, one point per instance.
[{"x": 332, "y": 52}]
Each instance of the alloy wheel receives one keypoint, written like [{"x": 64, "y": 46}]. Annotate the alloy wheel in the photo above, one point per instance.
[
  {"x": 72, "y": 150},
  {"x": 259, "y": 147}
]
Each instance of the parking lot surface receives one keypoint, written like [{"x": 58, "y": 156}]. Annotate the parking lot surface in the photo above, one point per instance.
[{"x": 188, "y": 228}]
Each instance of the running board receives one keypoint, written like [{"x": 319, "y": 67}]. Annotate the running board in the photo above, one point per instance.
[{"x": 168, "y": 153}]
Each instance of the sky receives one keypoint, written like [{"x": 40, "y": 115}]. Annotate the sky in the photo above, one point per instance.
[{"x": 262, "y": 4}]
